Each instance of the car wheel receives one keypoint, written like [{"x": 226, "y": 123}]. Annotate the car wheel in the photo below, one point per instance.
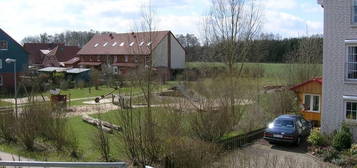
[{"x": 298, "y": 141}]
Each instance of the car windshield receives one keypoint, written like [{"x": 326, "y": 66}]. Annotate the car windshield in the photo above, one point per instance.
[{"x": 284, "y": 123}]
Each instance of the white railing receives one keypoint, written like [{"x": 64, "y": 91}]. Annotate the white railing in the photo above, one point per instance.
[{"x": 62, "y": 164}]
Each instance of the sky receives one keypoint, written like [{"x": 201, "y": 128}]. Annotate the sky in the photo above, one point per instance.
[{"x": 21, "y": 18}]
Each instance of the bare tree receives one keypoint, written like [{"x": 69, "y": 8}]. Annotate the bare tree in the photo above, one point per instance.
[
  {"x": 140, "y": 130},
  {"x": 231, "y": 25},
  {"x": 305, "y": 62}
]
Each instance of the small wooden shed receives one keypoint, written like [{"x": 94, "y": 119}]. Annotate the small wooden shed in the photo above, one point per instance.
[{"x": 309, "y": 94}]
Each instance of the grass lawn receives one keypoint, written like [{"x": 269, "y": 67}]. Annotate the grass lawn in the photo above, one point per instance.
[
  {"x": 84, "y": 133},
  {"x": 84, "y": 92},
  {"x": 2, "y": 103}
]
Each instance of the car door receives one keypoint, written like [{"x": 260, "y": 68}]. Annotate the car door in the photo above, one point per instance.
[
  {"x": 299, "y": 127},
  {"x": 305, "y": 128}
]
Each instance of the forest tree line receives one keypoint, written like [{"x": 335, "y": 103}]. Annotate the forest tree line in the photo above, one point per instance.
[{"x": 269, "y": 48}]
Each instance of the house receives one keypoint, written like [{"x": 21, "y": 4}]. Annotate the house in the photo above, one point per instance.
[
  {"x": 50, "y": 54},
  {"x": 339, "y": 65},
  {"x": 309, "y": 94},
  {"x": 120, "y": 53},
  {"x": 9, "y": 48},
  {"x": 73, "y": 74}
]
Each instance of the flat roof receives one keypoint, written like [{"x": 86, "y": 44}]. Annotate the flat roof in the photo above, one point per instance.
[
  {"x": 52, "y": 69},
  {"x": 77, "y": 70},
  {"x": 67, "y": 70}
]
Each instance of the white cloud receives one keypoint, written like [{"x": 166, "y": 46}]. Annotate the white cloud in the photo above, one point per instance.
[
  {"x": 280, "y": 4},
  {"x": 289, "y": 25},
  {"x": 24, "y": 17}
]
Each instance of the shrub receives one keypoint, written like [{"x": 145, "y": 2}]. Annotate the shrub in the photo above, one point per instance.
[
  {"x": 28, "y": 125},
  {"x": 316, "y": 138},
  {"x": 353, "y": 149},
  {"x": 64, "y": 84},
  {"x": 342, "y": 139},
  {"x": 187, "y": 152},
  {"x": 329, "y": 154},
  {"x": 7, "y": 126}
]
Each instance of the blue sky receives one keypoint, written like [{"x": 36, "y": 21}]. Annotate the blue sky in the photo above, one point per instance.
[{"x": 20, "y": 18}]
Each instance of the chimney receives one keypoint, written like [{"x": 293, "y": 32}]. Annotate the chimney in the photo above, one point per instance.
[{"x": 111, "y": 36}]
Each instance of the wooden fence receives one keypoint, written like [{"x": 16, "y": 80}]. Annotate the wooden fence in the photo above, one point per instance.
[{"x": 240, "y": 140}]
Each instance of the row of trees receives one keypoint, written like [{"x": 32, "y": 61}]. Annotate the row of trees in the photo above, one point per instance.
[{"x": 264, "y": 48}]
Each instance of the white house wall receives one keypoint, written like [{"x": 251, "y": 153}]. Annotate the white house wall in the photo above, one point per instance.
[
  {"x": 177, "y": 54},
  {"x": 337, "y": 29},
  {"x": 160, "y": 54}
]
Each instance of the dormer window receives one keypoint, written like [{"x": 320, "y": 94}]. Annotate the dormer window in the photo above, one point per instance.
[
  {"x": 141, "y": 44},
  {"x": 3, "y": 45},
  {"x": 114, "y": 44},
  {"x": 131, "y": 44},
  {"x": 122, "y": 44},
  {"x": 354, "y": 11},
  {"x": 96, "y": 45},
  {"x": 149, "y": 43},
  {"x": 105, "y": 44}
]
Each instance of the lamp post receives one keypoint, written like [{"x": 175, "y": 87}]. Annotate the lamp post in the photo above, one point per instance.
[{"x": 9, "y": 61}]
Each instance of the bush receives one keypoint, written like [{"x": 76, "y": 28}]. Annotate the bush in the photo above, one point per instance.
[
  {"x": 316, "y": 138},
  {"x": 353, "y": 149},
  {"x": 186, "y": 152},
  {"x": 7, "y": 126},
  {"x": 343, "y": 139},
  {"x": 329, "y": 154}
]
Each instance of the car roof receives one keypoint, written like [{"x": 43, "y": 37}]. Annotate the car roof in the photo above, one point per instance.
[{"x": 288, "y": 116}]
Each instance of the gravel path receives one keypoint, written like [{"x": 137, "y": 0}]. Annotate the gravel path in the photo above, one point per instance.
[{"x": 262, "y": 154}]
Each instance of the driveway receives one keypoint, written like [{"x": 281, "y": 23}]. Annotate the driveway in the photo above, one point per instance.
[{"x": 262, "y": 154}]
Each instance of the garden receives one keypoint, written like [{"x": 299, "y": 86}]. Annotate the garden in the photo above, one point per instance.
[{"x": 336, "y": 148}]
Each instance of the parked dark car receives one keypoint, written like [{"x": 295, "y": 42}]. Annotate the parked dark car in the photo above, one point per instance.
[{"x": 289, "y": 129}]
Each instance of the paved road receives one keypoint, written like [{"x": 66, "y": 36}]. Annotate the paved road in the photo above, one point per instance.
[
  {"x": 9, "y": 157},
  {"x": 263, "y": 155}
]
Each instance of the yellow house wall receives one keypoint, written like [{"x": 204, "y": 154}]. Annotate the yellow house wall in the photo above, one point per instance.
[{"x": 311, "y": 88}]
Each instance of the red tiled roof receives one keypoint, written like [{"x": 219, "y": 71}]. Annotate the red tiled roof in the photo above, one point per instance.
[
  {"x": 72, "y": 61},
  {"x": 318, "y": 80},
  {"x": 34, "y": 50},
  {"x": 90, "y": 63},
  {"x": 110, "y": 44},
  {"x": 130, "y": 65},
  {"x": 62, "y": 53}
]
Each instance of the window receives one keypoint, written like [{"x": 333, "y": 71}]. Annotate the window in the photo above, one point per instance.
[
  {"x": 122, "y": 44},
  {"x": 114, "y": 44},
  {"x": 3, "y": 45},
  {"x": 0, "y": 64},
  {"x": 141, "y": 44},
  {"x": 354, "y": 11},
  {"x": 96, "y": 45},
  {"x": 149, "y": 43},
  {"x": 351, "y": 110},
  {"x": 115, "y": 59},
  {"x": 105, "y": 44},
  {"x": 131, "y": 44},
  {"x": 126, "y": 59},
  {"x": 351, "y": 63},
  {"x": 312, "y": 103},
  {"x": 1, "y": 81}
]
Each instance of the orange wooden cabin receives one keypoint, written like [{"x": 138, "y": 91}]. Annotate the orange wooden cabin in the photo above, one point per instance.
[{"x": 309, "y": 94}]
